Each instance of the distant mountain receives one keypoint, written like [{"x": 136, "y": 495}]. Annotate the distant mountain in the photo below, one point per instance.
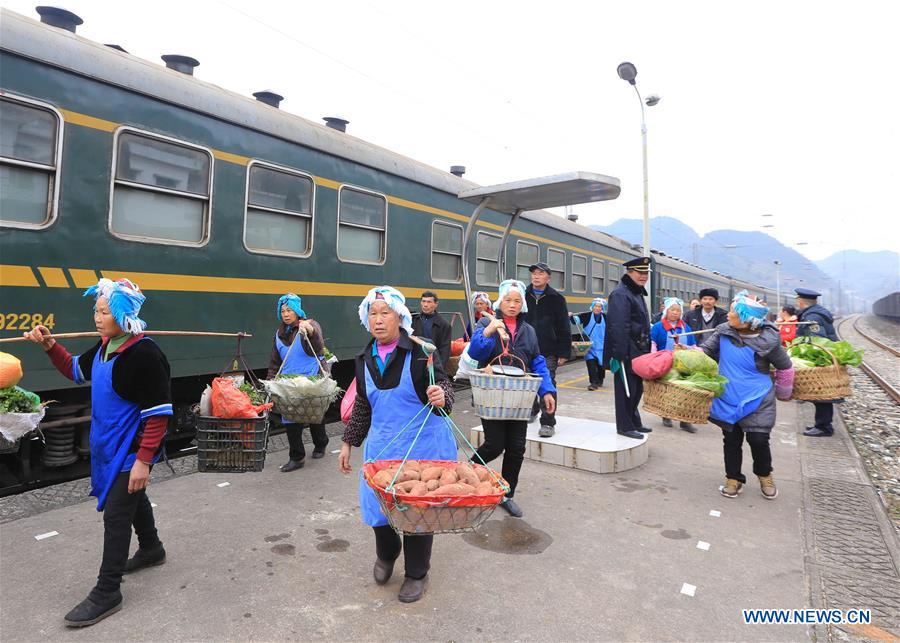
[
  {"x": 868, "y": 275},
  {"x": 749, "y": 256}
]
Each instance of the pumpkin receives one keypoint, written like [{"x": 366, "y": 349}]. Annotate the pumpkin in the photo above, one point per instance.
[{"x": 10, "y": 370}]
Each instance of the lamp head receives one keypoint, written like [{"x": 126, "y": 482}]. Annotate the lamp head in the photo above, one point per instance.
[
  {"x": 627, "y": 72},
  {"x": 652, "y": 100}
]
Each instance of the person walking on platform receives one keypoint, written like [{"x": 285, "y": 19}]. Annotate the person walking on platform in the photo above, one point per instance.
[
  {"x": 509, "y": 329},
  {"x": 662, "y": 339},
  {"x": 303, "y": 359},
  {"x": 747, "y": 347},
  {"x": 811, "y": 311},
  {"x": 708, "y": 315},
  {"x": 481, "y": 306},
  {"x": 428, "y": 323},
  {"x": 627, "y": 337},
  {"x": 131, "y": 403},
  {"x": 548, "y": 315},
  {"x": 593, "y": 324},
  {"x": 392, "y": 385}
]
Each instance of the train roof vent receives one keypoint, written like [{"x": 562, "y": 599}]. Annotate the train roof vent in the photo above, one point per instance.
[
  {"x": 117, "y": 47},
  {"x": 572, "y": 217},
  {"x": 268, "y": 97},
  {"x": 183, "y": 64},
  {"x": 59, "y": 17},
  {"x": 337, "y": 123},
  {"x": 457, "y": 170}
]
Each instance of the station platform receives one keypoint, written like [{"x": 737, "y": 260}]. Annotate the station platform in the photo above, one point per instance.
[{"x": 652, "y": 553}]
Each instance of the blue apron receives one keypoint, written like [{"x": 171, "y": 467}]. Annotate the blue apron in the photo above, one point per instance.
[
  {"x": 391, "y": 410},
  {"x": 746, "y": 387},
  {"x": 114, "y": 424},
  {"x": 295, "y": 362},
  {"x": 596, "y": 333}
]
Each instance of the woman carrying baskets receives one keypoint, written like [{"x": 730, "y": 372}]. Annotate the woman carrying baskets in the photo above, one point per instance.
[
  {"x": 746, "y": 348},
  {"x": 594, "y": 324},
  {"x": 509, "y": 335},
  {"x": 130, "y": 407},
  {"x": 303, "y": 359},
  {"x": 392, "y": 385},
  {"x": 662, "y": 339}
]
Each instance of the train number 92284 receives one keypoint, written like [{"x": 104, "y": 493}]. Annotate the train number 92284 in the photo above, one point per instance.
[{"x": 26, "y": 321}]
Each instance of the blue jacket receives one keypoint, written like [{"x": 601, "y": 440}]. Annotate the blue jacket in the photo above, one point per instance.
[
  {"x": 660, "y": 337},
  {"x": 524, "y": 346},
  {"x": 820, "y": 314},
  {"x": 595, "y": 331}
]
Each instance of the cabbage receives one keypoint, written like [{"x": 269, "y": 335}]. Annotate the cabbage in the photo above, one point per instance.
[
  {"x": 671, "y": 375},
  {"x": 689, "y": 362},
  {"x": 714, "y": 383},
  {"x": 799, "y": 362},
  {"x": 818, "y": 351}
]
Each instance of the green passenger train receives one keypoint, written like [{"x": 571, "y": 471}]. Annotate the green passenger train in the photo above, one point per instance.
[{"x": 215, "y": 204}]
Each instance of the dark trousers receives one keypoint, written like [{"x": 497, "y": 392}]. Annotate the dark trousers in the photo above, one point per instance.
[
  {"x": 295, "y": 439},
  {"x": 506, "y": 437},
  {"x": 824, "y": 416},
  {"x": 596, "y": 372},
  {"x": 547, "y": 418},
  {"x": 627, "y": 416},
  {"x": 123, "y": 511},
  {"x": 416, "y": 550},
  {"x": 733, "y": 441}
]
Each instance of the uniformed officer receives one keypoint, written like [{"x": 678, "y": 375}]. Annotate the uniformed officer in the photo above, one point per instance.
[
  {"x": 810, "y": 311},
  {"x": 627, "y": 337}
]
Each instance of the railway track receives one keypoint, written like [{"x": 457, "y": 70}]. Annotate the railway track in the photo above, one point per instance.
[{"x": 880, "y": 364}]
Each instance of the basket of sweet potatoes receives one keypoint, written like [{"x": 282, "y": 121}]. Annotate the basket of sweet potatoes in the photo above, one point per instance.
[{"x": 435, "y": 496}]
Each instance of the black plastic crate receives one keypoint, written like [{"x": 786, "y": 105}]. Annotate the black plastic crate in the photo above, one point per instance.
[{"x": 231, "y": 445}]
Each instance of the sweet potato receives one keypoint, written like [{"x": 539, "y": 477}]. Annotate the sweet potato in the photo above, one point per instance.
[
  {"x": 382, "y": 478},
  {"x": 467, "y": 474},
  {"x": 405, "y": 487},
  {"x": 449, "y": 477},
  {"x": 407, "y": 474},
  {"x": 417, "y": 488},
  {"x": 485, "y": 489},
  {"x": 432, "y": 473},
  {"x": 433, "y": 484},
  {"x": 482, "y": 473},
  {"x": 455, "y": 489},
  {"x": 412, "y": 465}
]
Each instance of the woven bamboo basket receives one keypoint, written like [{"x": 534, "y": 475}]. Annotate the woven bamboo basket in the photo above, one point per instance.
[
  {"x": 302, "y": 410},
  {"x": 504, "y": 397},
  {"x": 677, "y": 402},
  {"x": 821, "y": 382},
  {"x": 580, "y": 349}
]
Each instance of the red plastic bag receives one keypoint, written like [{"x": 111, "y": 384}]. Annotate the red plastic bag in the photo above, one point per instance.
[
  {"x": 652, "y": 366},
  {"x": 457, "y": 346},
  {"x": 348, "y": 401},
  {"x": 228, "y": 401}
]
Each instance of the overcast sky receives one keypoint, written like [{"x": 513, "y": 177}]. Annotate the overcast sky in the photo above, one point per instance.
[{"x": 786, "y": 108}]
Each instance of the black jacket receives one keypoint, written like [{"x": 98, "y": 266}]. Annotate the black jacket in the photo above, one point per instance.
[
  {"x": 627, "y": 323},
  {"x": 549, "y": 316},
  {"x": 822, "y": 316},
  {"x": 440, "y": 333},
  {"x": 694, "y": 318}
]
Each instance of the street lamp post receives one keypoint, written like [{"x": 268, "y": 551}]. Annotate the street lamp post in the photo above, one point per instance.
[
  {"x": 628, "y": 73},
  {"x": 778, "y": 285}
]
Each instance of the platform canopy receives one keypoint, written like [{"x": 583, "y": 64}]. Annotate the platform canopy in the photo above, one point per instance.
[{"x": 555, "y": 191}]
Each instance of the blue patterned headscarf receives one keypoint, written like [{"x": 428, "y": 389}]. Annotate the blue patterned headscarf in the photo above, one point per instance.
[
  {"x": 125, "y": 301},
  {"x": 393, "y": 298},
  {"x": 600, "y": 301},
  {"x": 749, "y": 310},
  {"x": 292, "y": 301},
  {"x": 506, "y": 287},
  {"x": 668, "y": 302}
]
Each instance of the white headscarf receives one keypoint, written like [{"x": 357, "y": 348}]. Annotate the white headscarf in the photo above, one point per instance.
[
  {"x": 508, "y": 285},
  {"x": 599, "y": 301},
  {"x": 481, "y": 296},
  {"x": 393, "y": 298},
  {"x": 668, "y": 302},
  {"x": 125, "y": 300}
]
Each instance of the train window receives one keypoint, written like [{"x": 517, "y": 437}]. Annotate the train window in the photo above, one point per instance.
[
  {"x": 612, "y": 284},
  {"x": 362, "y": 221},
  {"x": 556, "y": 259},
  {"x": 279, "y": 211},
  {"x": 161, "y": 190},
  {"x": 598, "y": 276},
  {"x": 446, "y": 252},
  {"x": 527, "y": 254},
  {"x": 579, "y": 273},
  {"x": 30, "y": 142},
  {"x": 487, "y": 259}
]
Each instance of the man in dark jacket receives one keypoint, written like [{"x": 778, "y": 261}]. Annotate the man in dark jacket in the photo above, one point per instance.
[
  {"x": 810, "y": 311},
  {"x": 708, "y": 315},
  {"x": 549, "y": 316},
  {"x": 428, "y": 323},
  {"x": 627, "y": 337}
]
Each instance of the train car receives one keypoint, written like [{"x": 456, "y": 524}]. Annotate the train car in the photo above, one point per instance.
[
  {"x": 215, "y": 204},
  {"x": 888, "y": 306}
]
